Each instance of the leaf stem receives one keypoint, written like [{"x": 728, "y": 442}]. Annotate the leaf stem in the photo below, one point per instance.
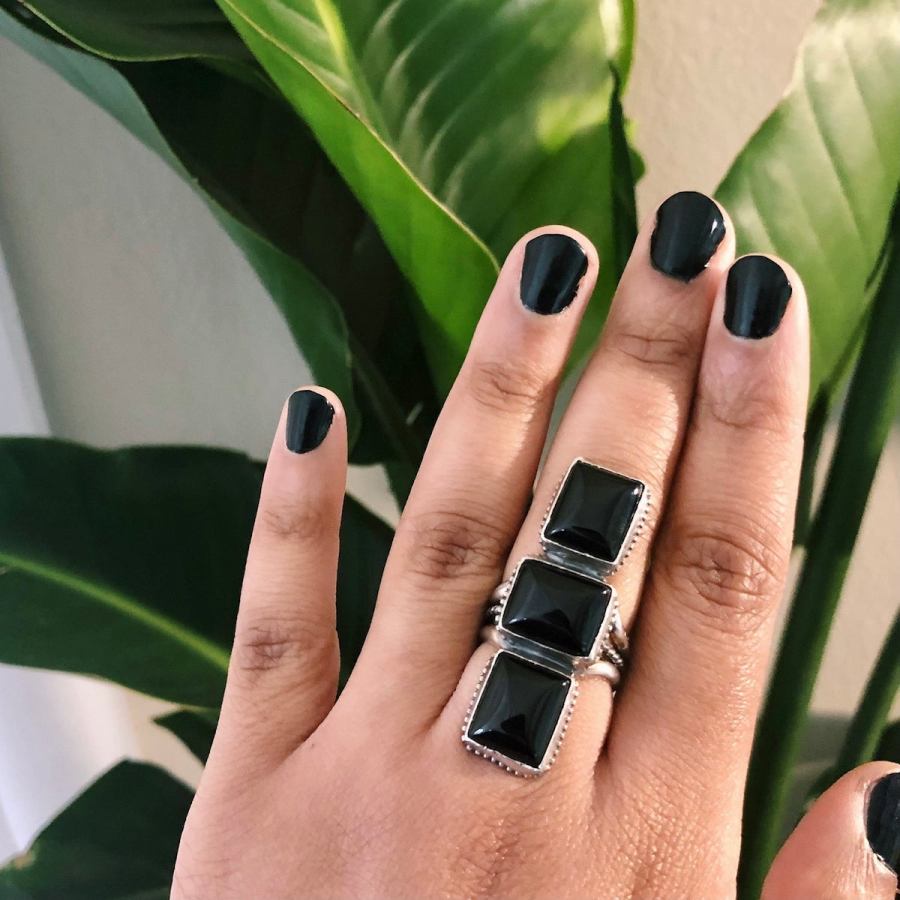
[
  {"x": 867, "y": 725},
  {"x": 872, "y": 401}
]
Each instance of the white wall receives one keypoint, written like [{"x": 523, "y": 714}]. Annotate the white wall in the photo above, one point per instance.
[{"x": 146, "y": 325}]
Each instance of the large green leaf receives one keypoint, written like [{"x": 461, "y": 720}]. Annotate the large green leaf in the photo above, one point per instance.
[
  {"x": 816, "y": 182},
  {"x": 144, "y": 29},
  {"x": 195, "y": 728},
  {"x": 458, "y": 125},
  {"x": 117, "y": 841},
  {"x": 127, "y": 564},
  {"x": 268, "y": 182}
]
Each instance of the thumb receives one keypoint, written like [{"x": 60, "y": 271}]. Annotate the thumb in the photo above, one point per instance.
[{"x": 847, "y": 845}]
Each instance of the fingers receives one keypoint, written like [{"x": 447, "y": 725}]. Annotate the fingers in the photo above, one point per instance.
[
  {"x": 720, "y": 562},
  {"x": 629, "y": 410},
  {"x": 284, "y": 666},
  {"x": 847, "y": 847},
  {"x": 475, "y": 479}
]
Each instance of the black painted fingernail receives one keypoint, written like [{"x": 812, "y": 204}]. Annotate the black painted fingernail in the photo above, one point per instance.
[
  {"x": 308, "y": 420},
  {"x": 554, "y": 265},
  {"x": 757, "y": 291},
  {"x": 883, "y": 820},
  {"x": 689, "y": 228}
]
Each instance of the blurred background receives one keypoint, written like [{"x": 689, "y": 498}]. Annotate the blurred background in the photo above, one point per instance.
[{"x": 127, "y": 316}]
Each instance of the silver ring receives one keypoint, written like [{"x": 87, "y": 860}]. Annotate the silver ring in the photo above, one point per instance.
[{"x": 556, "y": 620}]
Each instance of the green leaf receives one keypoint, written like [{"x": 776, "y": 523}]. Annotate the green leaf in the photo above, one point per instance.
[
  {"x": 127, "y": 564},
  {"x": 868, "y": 722},
  {"x": 195, "y": 728},
  {"x": 365, "y": 542},
  {"x": 458, "y": 126},
  {"x": 623, "y": 178},
  {"x": 312, "y": 314},
  {"x": 815, "y": 183},
  {"x": 117, "y": 841},
  {"x": 872, "y": 403},
  {"x": 144, "y": 29},
  {"x": 889, "y": 744},
  {"x": 264, "y": 176}
]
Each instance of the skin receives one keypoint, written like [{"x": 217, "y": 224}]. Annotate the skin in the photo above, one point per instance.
[{"x": 375, "y": 795}]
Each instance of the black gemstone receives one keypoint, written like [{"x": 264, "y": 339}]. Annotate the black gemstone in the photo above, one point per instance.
[
  {"x": 594, "y": 511},
  {"x": 556, "y": 608},
  {"x": 519, "y": 708}
]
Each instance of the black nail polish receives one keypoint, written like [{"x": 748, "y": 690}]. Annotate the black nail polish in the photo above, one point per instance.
[
  {"x": 308, "y": 420},
  {"x": 553, "y": 266},
  {"x": 756, "y": 295},
  {"x": 883, "y": 820},
  {"x": 689, "y": 228}
]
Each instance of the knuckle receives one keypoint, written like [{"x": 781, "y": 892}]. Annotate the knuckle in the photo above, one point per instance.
[
  {"x": 297, "y": 521},
  {"x": 749, "y": 411},
  {"x": 450, "y": 544},
  {"x": 509, "y": 386},
  {"x": 269, "y": 642},
  {"x": 667, "y": 346},
  {"x": 727, "y": 567}
]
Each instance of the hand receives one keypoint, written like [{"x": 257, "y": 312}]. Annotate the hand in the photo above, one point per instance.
[{"x": 698, "y": 389}]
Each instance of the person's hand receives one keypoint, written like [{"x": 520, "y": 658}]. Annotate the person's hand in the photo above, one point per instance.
[{"x": 698, "y": 389}]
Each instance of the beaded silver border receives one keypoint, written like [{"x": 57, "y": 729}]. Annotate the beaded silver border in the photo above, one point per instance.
[
  {"x": 513, "y": 766},
  {"x": 584, "y": 563}
]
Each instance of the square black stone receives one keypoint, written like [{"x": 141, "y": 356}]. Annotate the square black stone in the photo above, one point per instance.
[
  {"x": 594, "y": 511},
  {"x": 556, "y": 608},
  {"x": 519, "y": 708}
]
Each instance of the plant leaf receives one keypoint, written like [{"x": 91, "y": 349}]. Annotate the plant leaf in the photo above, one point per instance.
[
  {"x": 889, "y": 744},
  {"x": 128, "y": 29},
  {"x": 365, "y": 542},
  {"x": 868, "y": 723},
  {"x": 195, "y": 728},
  {"x": 816, "y": 182},
  {"x": 118, "y": 841},
  {"x": 265, "y": 178},
  {"x": 127, "y": 564},
  {"x": 623, "y": 178},
  {"x": 459, "y": 126}
]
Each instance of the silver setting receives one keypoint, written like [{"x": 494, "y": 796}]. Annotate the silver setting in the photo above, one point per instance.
[
  {"x": 584, "y": 563},
  {"x": 609, "y": 653},
  {"x": 608, "y": 665},
  {"x": 513, "y": 766}
]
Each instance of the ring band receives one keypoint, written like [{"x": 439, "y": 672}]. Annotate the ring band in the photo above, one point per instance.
[{"x": 556, "y": 620}]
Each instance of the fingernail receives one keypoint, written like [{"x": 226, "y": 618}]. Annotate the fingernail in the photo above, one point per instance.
[
  {"x": 883, "y": 820},
  {"x": 689, "y": 228},
  {"x": 308, "y": 420},
  {"x": 554, "y": 265},
  {"x": 756, "y": 295}
]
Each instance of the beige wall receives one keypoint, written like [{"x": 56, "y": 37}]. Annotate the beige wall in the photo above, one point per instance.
[{"x": 145, "y": 324}]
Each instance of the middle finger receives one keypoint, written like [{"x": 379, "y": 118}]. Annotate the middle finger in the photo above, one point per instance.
[{"x": 629, "y": 410}]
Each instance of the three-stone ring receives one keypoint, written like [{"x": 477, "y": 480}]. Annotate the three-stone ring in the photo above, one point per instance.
[{"x": 556, "y": 620}]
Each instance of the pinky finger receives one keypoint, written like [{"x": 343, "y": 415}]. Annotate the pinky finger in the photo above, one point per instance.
[
  {"x": 848, "y": 844},
  {"x": 283, "y": 673}
]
